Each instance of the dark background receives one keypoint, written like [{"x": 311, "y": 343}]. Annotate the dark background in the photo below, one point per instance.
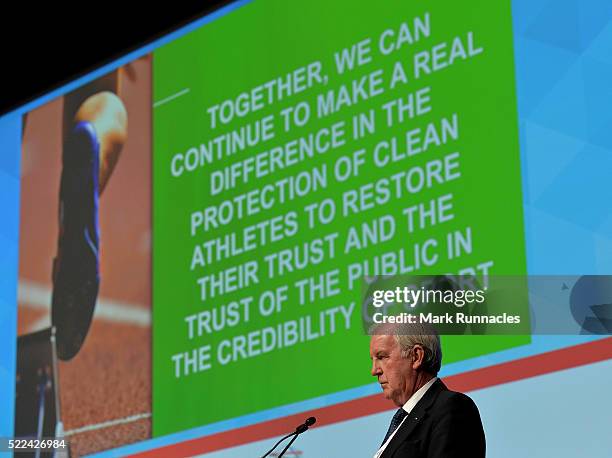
[{"x": 43, "y": 46}]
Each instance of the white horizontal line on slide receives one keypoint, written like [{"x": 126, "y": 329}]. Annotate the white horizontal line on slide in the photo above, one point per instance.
[
  {"x": 38, "y": 296},
  {"x": 171, "y": 97},
  {"x": 108, "y": 424}
]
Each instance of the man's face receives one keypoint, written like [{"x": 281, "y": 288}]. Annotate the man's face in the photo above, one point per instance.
[{"x": 395, "y": 374}]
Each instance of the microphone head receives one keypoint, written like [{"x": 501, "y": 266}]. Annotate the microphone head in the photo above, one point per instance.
[
  {"x": 310, "y": 421},
  {"x": 304, "y": 426}
]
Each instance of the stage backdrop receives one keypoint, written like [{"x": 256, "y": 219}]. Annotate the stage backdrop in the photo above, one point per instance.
[{"x": 281, "y": 156}]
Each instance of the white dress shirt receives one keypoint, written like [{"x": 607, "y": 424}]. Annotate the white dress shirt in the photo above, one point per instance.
[{"x": 416, "y": 397}]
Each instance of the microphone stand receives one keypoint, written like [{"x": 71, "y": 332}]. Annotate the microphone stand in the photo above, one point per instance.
[
  {"x": 299, "y": 430},
  {"x": 289, "y": 444},
  {"x": 276, "y": 445}
]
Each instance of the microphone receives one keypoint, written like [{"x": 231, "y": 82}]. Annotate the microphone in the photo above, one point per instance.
[
  {"x": 304, "y": 426},
  {"x": 299, "y": 430}
]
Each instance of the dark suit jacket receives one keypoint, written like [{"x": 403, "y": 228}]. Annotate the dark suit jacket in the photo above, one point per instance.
[{"x": 443, "y": 424}]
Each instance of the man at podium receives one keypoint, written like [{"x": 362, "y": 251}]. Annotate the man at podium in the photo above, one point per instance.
[{"x": 431, "y": 421}]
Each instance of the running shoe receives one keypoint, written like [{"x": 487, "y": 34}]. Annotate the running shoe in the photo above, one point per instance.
[{"x": 76, "y": 274}]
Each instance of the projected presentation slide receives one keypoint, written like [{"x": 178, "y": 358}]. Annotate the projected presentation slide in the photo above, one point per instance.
[
  {"x": 203, "y": 238},
  {"x": 287, "y": 170}
]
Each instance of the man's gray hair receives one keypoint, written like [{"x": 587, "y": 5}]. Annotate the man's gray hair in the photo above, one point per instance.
[{"x": 407, "y": 335}]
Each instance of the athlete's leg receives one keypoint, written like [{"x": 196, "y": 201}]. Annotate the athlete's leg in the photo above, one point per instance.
[{"x": 106, "y": 112}]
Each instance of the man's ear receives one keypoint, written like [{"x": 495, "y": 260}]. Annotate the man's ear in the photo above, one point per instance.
[{"x": 418, "y": 354}]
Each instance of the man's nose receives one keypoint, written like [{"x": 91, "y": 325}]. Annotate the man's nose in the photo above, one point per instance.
[{"x": 376, "y": 370}]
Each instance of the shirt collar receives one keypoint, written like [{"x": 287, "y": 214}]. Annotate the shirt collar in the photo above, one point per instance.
[{"x": 416, "y": 397}]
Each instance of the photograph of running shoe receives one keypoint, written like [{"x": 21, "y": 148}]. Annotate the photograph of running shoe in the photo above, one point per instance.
[{"x": 85, "y": 254}]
